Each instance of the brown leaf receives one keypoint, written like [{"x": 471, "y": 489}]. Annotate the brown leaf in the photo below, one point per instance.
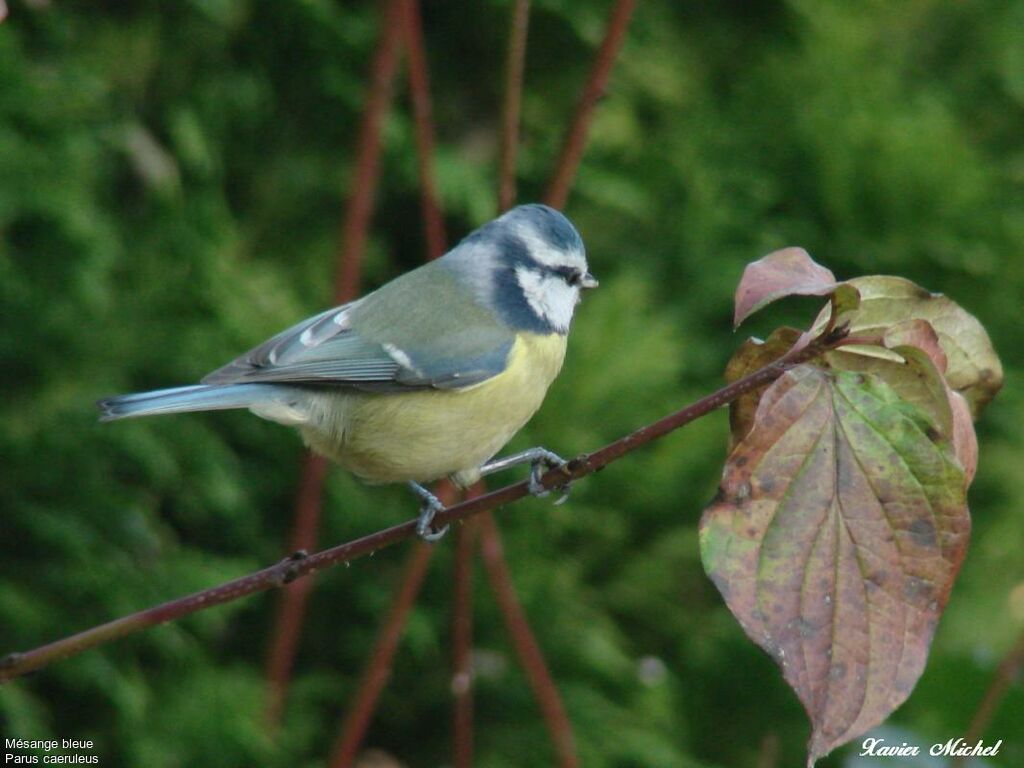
[
  {"x": 973, "y": 368},
  {"x": 917, "y": 333},
  {"x": 752, "y": 355},
  {"x": 965, "y": 439},
  {"x": 788, "y": 272},
  {"x": 838, "y": 530}
]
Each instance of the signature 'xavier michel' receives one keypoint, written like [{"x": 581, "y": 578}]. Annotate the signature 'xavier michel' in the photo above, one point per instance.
[{"x": 428, "y": 376}]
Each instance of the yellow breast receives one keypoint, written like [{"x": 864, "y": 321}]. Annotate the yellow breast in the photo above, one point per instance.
[{"x": 427, "y": 434}]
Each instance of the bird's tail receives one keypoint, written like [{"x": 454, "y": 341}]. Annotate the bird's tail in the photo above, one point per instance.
[{"x": 200, "y": 397}]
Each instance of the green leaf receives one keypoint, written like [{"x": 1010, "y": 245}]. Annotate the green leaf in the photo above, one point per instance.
[
  {"x": 840, "y": 524},
  {"x": 912, "y": 362},
  {"x": 912, "y": 376}
]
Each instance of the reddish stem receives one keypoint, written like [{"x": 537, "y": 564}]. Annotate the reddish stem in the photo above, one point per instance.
[
  {"x": 295, "y": 567},
  {"x": 291, "y": 608},
  {"x": 513, "y": 102},
  {"x": 356, "y": 221},
  {"x": 576, "y": 138},
  {"x": 462, "y": 647},
  {"x": 530, "y": 654},
  {"x": 379, "y": 668},
  {"x": 419, "y": 85},
  {"x": 367, "y": 695},
  {"x": 462, "y": 623},
  {"x": 525, "y": 643}
]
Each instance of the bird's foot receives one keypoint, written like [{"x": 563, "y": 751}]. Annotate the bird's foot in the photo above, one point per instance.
[
  {"x": 540, "y": 461},
  {"x": 430, "y": 505},
  {"x": 539, "y": 466}
]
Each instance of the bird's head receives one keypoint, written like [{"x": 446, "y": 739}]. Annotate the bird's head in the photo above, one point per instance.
[{"x": 532, "y": 267}]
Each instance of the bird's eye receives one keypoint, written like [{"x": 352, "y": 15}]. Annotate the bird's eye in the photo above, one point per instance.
[{"x": 571, "y": 275}]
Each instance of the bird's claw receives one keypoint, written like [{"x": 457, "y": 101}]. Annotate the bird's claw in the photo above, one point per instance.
[
  {"x": 430, "y": 505},
  {"x": 426, "y": 518},
  {"x": 539, "y": 467}
]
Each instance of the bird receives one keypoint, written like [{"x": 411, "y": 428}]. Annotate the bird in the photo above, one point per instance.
[{"x": 428, "y": 376}]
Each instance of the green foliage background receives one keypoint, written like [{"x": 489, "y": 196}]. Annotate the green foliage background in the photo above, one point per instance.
[{"x": 171, "y": 181}]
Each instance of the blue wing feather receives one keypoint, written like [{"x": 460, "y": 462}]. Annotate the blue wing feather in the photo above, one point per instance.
[{"x": 422, "y": 330}]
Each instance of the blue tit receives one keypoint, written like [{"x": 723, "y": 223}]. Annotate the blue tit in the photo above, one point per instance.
[{"x": 426, "y": 377}]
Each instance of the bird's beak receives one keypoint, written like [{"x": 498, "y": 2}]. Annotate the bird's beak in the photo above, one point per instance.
[{"x": 588, "y": 281}]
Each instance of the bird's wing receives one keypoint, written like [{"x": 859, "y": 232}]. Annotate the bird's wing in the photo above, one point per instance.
[{"x": 422, "y": 330}]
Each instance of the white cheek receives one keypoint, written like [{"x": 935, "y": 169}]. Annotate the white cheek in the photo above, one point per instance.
[{"x": 549, "y": 296}]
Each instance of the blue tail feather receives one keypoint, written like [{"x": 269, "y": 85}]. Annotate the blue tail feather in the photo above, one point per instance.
[{"x": 200, "y": 397}]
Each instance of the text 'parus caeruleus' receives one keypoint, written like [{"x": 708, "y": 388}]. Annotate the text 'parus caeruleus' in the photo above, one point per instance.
[{"x": 428, "y": 376}]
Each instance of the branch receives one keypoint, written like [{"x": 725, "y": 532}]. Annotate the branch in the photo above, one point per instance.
[
  {"x": 301, "y": 564},
  {"x": 419, "y": 87},
  {"x": 379, "y": 669},
  {"x": 356, "y": 222},
  {"x": 527, "y": 648},
  {"x": 291, "y": 609},
  {"x": 462, "y": 624},
  {"x": 462, "y": 647},
  {"x": 513, "y": 101},
  {"x": 576, "y": 138},
  {"x": 530, "y": 655},
  {"x": 357, "y": 719}
]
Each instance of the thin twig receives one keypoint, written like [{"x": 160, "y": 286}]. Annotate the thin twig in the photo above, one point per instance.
[
  {"x": 1006, "y": 674},
  {"x": 513, "y": 101},
  {"x": 527, "y": 648},
  {"x": 291, "y": 607},
  {"x": 379, "y": 668},
  {"x": 530, "y": 654},
  {"x": 462, "y": 624},
  {"x": 357, "y": 719},
  {"x": 300, "y": 564},
  {"x": 355, "y": 224},
  {"x": 576, "y": 137},
  {"x": 419, "y": 86},
  {"x": 462, "y": 646},
  {"x": 702, "y": 407}
]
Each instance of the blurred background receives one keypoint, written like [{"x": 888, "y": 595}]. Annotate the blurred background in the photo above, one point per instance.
[{"x": 172, "y": 178}]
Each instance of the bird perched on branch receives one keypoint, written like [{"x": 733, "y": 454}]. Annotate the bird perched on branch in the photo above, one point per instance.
[{"x": 426, "y": 377}]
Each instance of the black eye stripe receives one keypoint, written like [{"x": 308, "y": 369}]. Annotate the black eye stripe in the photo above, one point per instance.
[{"x": 570, "y": 274}]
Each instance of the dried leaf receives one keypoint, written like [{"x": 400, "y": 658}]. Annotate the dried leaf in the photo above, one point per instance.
[
  {"x": 752, "y": 355},
  {"x": 838, "y": 530},
  {"x": 917, "y": 333},
  {"x": 965, "y": 439},
  {"x": 788, "y": 272},
  {"x": 912, "y": 364},
  {"x": 973, "y": 368},
  {"x": 844, "y": 300}
]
